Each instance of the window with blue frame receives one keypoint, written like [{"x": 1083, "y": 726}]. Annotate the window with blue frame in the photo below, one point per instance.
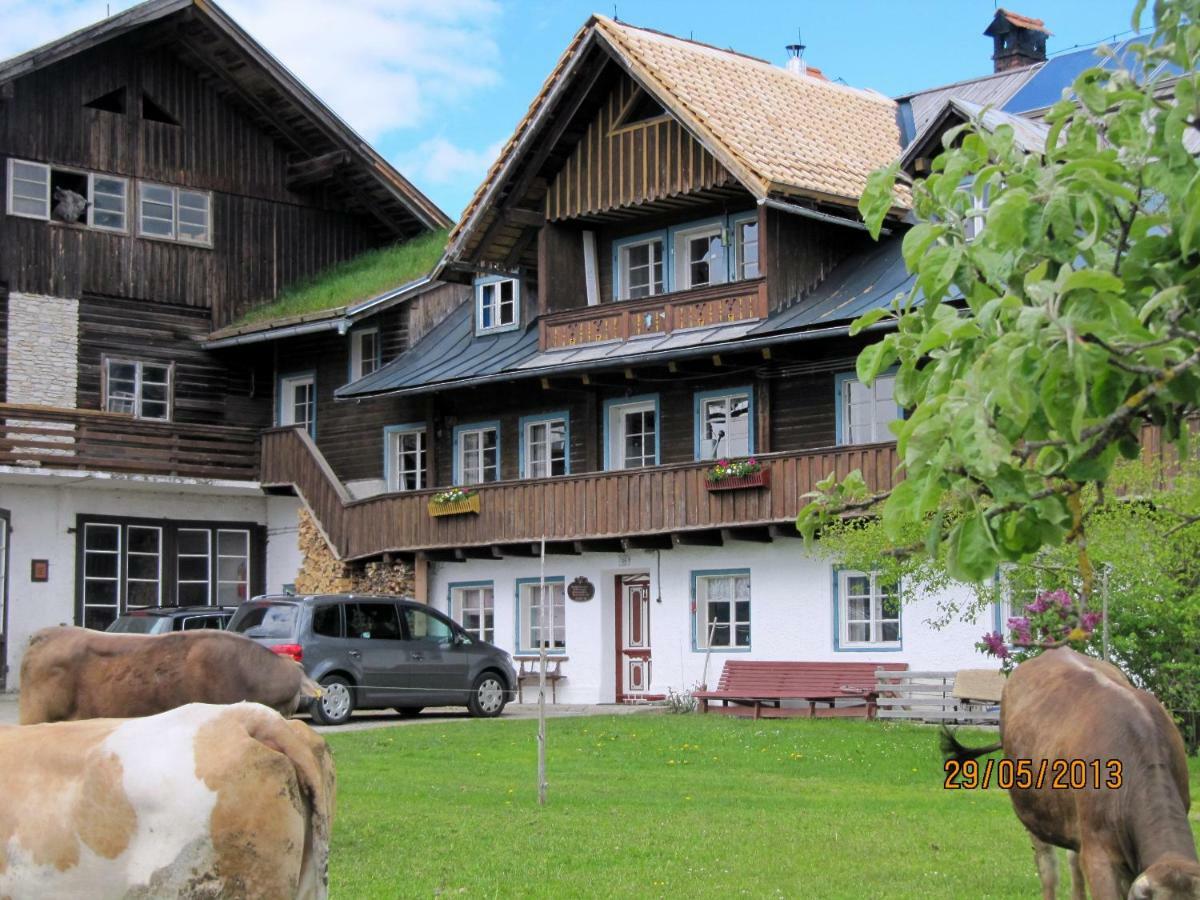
[
  {"x": 868, "y": 611},
  {"x": 640, "y": 269},
  {"x": 724, "y": 424},
  {"x": 476, "y": 453},
  {"x": 863, "y": 413},
  {"x": 545, "y": 450},
  {"x": 497, "y": 302},
  {"x": 541, "y": 616},
  {"x": 721, "y": 609}
]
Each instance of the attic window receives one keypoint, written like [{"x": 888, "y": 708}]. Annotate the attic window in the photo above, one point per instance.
[
  {"x": 640, "y": 108},
  {"x": 113, "y": 102},
  {"x": 152, "y": 112}
]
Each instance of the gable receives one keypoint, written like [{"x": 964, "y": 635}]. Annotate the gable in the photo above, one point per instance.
[{"x": 625, "y": 159}]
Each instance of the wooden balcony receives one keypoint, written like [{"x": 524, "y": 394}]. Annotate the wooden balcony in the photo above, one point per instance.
[
  {"x": 658, "y": 507},
  {"x": 621, "y": 320},
  {"x": 45, "y": 437}
]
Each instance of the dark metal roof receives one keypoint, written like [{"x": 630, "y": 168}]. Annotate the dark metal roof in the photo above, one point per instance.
[{"x": 451, "y": 356}]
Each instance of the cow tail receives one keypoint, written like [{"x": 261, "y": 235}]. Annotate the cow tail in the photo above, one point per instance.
[{"x": 952, "y": 749}]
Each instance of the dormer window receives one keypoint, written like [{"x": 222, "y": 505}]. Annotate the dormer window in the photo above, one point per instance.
[{"x": 496, "y": 302}]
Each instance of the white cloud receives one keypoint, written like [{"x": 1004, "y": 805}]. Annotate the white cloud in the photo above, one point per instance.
[
  {"x": 440, "y": 161},
  {"x": 383, "y": 65}
]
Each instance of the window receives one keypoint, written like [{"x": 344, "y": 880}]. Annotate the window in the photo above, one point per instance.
[
  {"x": 863, "y": 412},
  {"x": 298, "y": 402},
  {"x": 973, "y": 226},
  {"x": 745, "y": 242},
  {"x": 233, "y": 567},
  {"x": 108, "y": 196},
  {"x": 544, "y": 450},
  {"x": 373, "y": 621},
  {"x": 175, "y": 214},
  {"x": 404, "y": 464},
  {"x": 721, "y": 604},
  {"x": 327, "y": 620},
  {"x": 496, "y": 304},
  {"x": 477, "y": 454},
  {"x": 632, "y": 434},
  {"x": 101, "y": 575},
  {"x": 193, "y": 567},
  {"x": 700, "y": 256},
  {"x": 868, "y": 611},
  {"x": 640, "y": 269},
  {"x": 424, "y": 626},
  {"x": 364, "y": 352},
  {"x": 28, "y": 189},
  {"x": 142, "y": 389},
  {"x": 473, "y": 607},
  {"x": 725, "y": 425},
  {"x": 541, "y": 618}
]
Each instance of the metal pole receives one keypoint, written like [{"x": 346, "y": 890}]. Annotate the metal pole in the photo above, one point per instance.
[
  {"x": 541, "y": 736},
  {"x": 1104, "y": 609}
]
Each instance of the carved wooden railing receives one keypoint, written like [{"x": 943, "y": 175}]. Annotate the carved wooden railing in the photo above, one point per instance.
[
  {"x": 46, "y": 437},
  {"x": 621, "y": 320},
  {"x": 663, "y": 500}
]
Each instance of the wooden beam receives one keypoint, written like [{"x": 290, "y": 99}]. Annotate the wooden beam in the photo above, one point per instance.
[
  {"x": 647, "y": 542},
  {"x": 784, "y": 531},
  {"x": 601, "y": 545},
  {"x": 528, "y": 236},
  {"x": 445, "y": 555},
  {"x": 559, "y": 548},
  {"x": 755, "y": 534},
  {"x": 705, "y": 538},
  {"x": 315, "y": 170},
  {"x": 525, "y": 550},
  {"x": 526, "y": 218},
  {"x": 489, "y": 552}
]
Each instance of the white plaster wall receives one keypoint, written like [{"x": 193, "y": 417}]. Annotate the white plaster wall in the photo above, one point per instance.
[
  {"x": 41, "y": 517},
  {"x": 791, "y": 617},
  {"x": 43, "y": 350},
  {"x": 283, "y": 542}
]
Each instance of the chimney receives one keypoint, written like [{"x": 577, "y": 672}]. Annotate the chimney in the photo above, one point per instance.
[
  {"x": 795, "y": 63},
  {"x": 1019, "y": 40}
]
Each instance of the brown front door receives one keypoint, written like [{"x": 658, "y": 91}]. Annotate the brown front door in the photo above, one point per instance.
[{"x": 634, "y": 671}]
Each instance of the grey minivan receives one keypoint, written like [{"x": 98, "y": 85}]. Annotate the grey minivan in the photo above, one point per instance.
[{"x": 376, "y": 652}]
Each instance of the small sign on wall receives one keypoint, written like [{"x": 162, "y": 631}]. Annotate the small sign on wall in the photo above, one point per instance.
[
  {"x": 581, "y": 590},
  {"x": 39, "y": 570}
]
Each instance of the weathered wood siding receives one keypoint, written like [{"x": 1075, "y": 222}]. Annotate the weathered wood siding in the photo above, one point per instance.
[
  {"x": 3, "y": 343},
  {"x": 264, "y": 235},
  {"x": 801, "y": 252},
  {"x": 427, "y": 310},
  {"x": 622, "y": 167}
]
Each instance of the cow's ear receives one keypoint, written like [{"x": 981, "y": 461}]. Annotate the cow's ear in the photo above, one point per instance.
[{"x": 1141, "y": 889}]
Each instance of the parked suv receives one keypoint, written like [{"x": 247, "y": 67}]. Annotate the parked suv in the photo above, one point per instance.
[
  {"x": 161, "y": 619},
  {"x": 371, "y": 652}
]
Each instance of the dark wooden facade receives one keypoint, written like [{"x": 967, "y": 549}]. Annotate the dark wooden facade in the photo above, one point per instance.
[{"x": 265, "y": 235}]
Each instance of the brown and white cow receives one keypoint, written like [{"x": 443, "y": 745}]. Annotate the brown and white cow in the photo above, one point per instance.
[
  {"x": 1133, "y": 840},
  {"x": 200, "y": 801},
  {"x": 76, "y": 673}
]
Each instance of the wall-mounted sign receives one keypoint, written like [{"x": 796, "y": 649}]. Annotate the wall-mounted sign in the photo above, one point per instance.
[
  {"x": 581, "y": 590},
  {"x": 39, "y": 570}
]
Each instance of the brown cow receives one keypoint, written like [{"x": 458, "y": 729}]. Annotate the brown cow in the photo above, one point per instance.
[
  {"x": 77, "y": 673},
  {"x": 200, "y": 801},
  {"x": 1133, "y": 840}
]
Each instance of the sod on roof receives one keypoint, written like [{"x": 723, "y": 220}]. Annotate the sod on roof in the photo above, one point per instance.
[{"x": 361, "y": 278}]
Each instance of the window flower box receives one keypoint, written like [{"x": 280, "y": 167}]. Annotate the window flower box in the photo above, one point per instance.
[
  {"x": 454, "y": 502},
  {"x": 738, "y": 474}
]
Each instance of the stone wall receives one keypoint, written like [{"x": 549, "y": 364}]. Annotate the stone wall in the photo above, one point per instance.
[
  {"x": 43, "y": 350},
  {"x": 322, "y": 573}
]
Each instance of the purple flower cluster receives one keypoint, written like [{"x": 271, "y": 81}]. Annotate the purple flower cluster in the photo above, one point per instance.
[
  {"x": 1052, "y": 619},
  {"x": 993, "y": 644}
]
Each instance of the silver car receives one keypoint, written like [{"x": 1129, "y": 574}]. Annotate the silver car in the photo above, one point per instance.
[{"x": 378, "y": 652}]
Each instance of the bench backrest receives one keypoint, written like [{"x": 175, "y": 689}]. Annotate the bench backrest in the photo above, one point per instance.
[{"x": 814, "y": 677}]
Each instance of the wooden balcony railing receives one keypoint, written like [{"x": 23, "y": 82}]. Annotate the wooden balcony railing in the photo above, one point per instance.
[
  {"x": 621, "y": 320},
  {"x": 665, "y": 500},
  {"x": 48, "y": 437}
]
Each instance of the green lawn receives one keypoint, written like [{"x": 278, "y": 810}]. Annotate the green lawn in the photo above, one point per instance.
[{"x": 658, "y": 805}]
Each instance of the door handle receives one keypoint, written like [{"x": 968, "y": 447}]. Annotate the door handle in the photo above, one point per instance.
[{"x": 356, "y": 654}]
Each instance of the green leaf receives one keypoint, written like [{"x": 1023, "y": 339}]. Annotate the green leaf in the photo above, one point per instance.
[
  {"x": 917, "y": 240},
  {"x": 866, "y": 320},
  {"x": 1005, "y": 223},
  {"x": 972, "y": 552},
  {"x": 872, "y": 360},
  {"x": 878, "y": 198}
]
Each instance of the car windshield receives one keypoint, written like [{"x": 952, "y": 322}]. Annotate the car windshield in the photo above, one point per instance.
[
  {"x": 266, "y": 621},
  {"x": 140, "y": 624}
]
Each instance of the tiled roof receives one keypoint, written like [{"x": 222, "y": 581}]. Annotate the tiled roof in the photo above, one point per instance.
[{"x": 1026, "y": 22}]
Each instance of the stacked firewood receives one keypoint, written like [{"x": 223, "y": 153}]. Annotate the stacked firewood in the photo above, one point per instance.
[{"x": 323, "y": 573}]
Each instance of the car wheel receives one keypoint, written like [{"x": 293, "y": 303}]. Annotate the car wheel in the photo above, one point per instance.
[
  {"x": 336, "y": 702},
  {"x": 488, "y": 696},
  {"x": 409, "y": 712}
]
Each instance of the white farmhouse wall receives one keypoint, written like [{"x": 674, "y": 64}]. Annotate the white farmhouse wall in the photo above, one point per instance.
[
  {"x": 43, "y": 350},
  {"x": 792, "y": 617},
  {"x": 283, "y": 542}
]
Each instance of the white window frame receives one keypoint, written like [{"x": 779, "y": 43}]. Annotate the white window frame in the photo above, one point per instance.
[
  {"x": 12, "y": 163},
  {"x": 528, "y": 598},
  {"x": 117, "y": 605},
  {"x": 394, "y": 469},
  {"x": 207, "y": 556},
  {"x": 623, "y": 267},
  {"x": 702, "y": 440},
  {"x": 129, "y": 579},
  {"x": 478, "y": 472},
  {"x": 877, "y": 618},
  {"x": 973, "y": 226},
  {"x": 497, "y": 305},
  {"x": 138, "y": 383},
  {"x": 243, "y": 582},
  {"x": 287, "y": 400},
  {"x": 175, "y": 235},
  {"x": 739, "y": 251},
  {"x": 91, "y": 210},
  {"x": 879, "y": 429},
  {"x": 358, "y": 359},
  {"x": 528, "y": 442},
  {"x": 616, "y": 432},
  {"x": 478, "y": 598},
  {"x": 702, "y": 589},
  {"x": 718, "y": 270}
]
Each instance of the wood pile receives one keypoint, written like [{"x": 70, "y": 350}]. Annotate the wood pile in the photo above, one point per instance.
[{"x": 321, "y": 572}]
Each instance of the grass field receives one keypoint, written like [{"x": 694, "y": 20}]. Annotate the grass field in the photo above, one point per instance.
[{"x": 658, "y": 805}]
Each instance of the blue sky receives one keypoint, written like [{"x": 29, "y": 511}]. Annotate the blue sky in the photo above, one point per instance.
[{"x": 438, "y": 85}]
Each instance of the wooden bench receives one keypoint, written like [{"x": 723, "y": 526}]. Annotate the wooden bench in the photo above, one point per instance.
[
  {"x": 528, "y": 670},
  {"x": 765, "y": 685}
]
